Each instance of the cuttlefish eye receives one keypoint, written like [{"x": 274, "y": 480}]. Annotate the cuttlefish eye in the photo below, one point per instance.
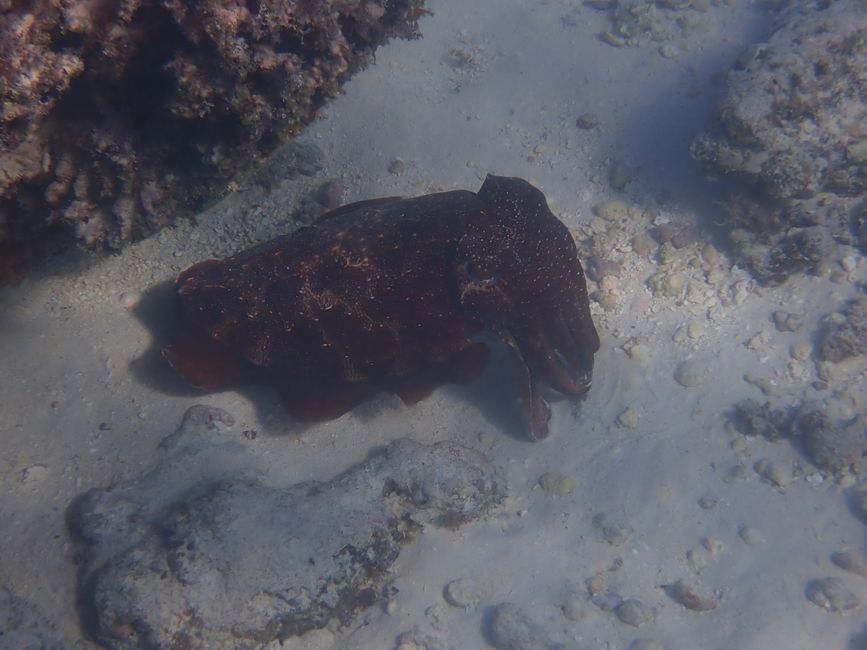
[{"x": 480, "y": 275}]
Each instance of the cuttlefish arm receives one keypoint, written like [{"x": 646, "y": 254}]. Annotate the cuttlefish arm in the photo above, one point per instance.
[{"x": 532, "y": 406}]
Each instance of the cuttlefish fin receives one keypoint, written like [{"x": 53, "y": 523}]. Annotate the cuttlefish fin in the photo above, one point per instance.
[
  {"x": 205, "y": 363},
  {"x": 461, "y": 368},
  {"x": 359, "y": 207},
  {"x": 324, "y": 403}
]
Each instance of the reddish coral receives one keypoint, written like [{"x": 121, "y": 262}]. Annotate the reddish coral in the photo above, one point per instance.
[{"x": 117, "y": 117}]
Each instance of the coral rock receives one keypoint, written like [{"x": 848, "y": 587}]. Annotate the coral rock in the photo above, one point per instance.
[
  {"x": 790, "y": 129},
  {"x": 117, "y": 118},
  {"x": 201, "y": 553}
]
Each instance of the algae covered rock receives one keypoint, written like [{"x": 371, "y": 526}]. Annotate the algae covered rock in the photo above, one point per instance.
[
  {"x": 789, "y": 130},
  {"x": 200, "y": 552},
  {"x": 846, "y": 335},
  {"x": 834, "y": 445},
  {"x": 117, "y": 118}
]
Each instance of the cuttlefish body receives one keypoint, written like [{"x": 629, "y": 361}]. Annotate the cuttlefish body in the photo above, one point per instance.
[{"x": 391, "y": 295}]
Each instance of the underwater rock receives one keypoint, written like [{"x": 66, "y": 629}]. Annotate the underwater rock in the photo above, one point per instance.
[
  {"x": 852, "y": 561},
  {"x": 772, "y": 473},
  {"x": 798, "y": 250},
  {"x": 847, "y": 336},
  {"x": 557, "y": 483},
  {"x": 417, "y": 639},
  {"x": 685, "y": 594},
  {"x": 600, "y": 267},
  {"x": 786, "y": 321},
  {"x": 634, "y": 612},
  {"x": 463, "y": 592},
  {"x": 753, "y": 419},
  {"x": 831, "y": 444},
  {"x": 835, "y": 446},
  {"x": 750, "y": 536},
  {"x": 116, "y": 118},
  {"x": 691, "y": 373},
  {"x": 615, "y": 532},
  {"x": 832, "y": 594},
  {"x": 679, "y": 234},
  {"x": 510, "y": 628},
  {"x": 628, "y": 418},
  {"x": 789, "y": 129},
  {"x": 200, "y": 552}
]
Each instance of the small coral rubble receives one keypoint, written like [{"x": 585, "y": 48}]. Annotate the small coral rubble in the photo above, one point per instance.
[
  {"x": 835, "y": 445},
  {"x": 116, "y": 118}
]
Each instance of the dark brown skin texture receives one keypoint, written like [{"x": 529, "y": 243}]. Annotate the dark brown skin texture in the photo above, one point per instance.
[{"x": 390, "y": 295}]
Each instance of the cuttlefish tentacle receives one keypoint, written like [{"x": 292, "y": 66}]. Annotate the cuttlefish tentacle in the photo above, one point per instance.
[{"x": 565, "y": 343}]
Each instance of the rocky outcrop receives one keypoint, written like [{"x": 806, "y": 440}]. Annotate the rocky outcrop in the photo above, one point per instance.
[
  {"x": 791, "y": 130},
  {"x": 118, "y": 117},
  {"x": 200, "y": 552}
]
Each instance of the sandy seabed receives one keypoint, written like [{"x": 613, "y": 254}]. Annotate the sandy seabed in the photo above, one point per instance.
[{"x": 492, "y": 87}]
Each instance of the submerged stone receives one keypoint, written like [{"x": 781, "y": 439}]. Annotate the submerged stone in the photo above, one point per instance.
[{"x": 199, "y": 552}]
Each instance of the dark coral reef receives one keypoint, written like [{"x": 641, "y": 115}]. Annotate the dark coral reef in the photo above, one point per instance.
[
  {"x": 118, "y": 117},
  {"x": 791, "y": 130}
]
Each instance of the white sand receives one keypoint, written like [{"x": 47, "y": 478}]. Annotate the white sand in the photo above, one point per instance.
[{"x": 69, "y": 348}]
